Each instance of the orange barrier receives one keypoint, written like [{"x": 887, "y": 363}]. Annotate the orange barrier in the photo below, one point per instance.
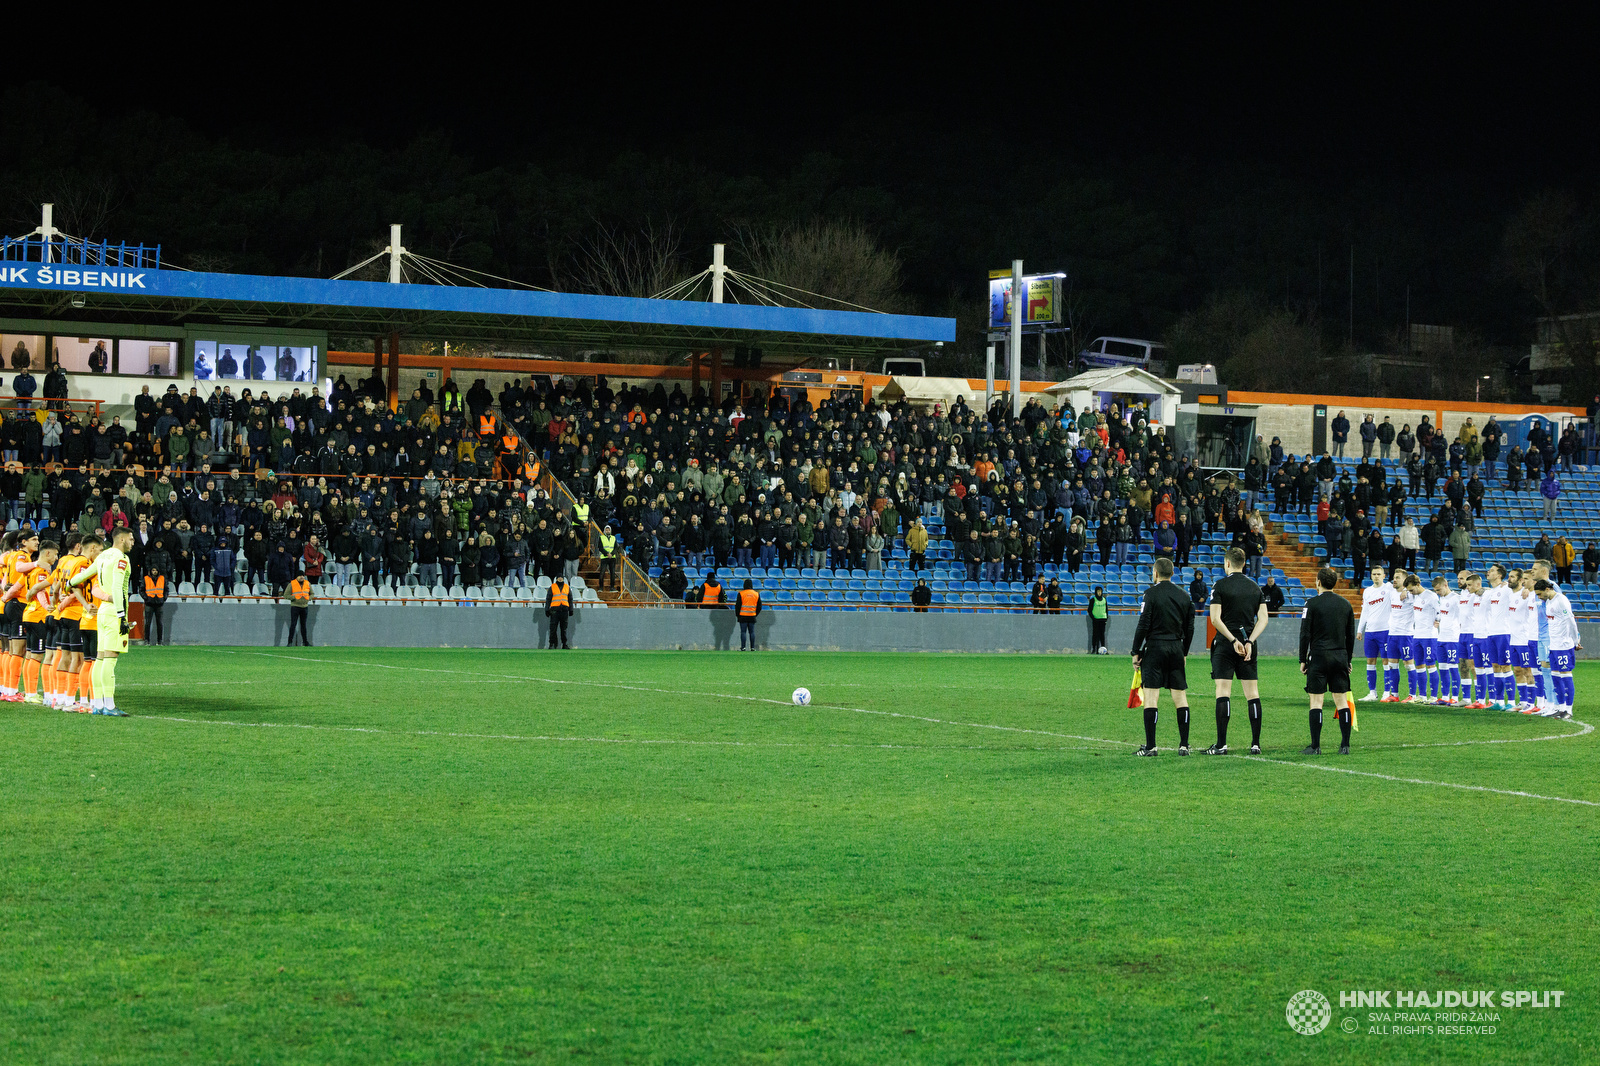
[{"x": 38, "y": 405}]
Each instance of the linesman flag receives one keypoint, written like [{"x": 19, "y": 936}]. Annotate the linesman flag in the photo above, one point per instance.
[{"x": 1136, "y": 690}]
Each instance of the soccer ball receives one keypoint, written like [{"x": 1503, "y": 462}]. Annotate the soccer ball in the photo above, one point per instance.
[{"x": 801, "y": 697}]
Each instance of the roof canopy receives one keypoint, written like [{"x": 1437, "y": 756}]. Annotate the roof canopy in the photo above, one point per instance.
[
  {"x": 499, "y": 316},
  {"x": 928, "y": 391},
  {"x": 1129, "y": 380}
]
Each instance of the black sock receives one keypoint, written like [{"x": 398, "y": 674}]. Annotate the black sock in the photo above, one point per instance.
[
  {"x": 1150, "y": 727},
  {"x": 1316, "y": 727},
  {"x": 1183, "y": 727},
  {"x": 1254, "y": 707},
  {"x": 1344, "y": 727},
  {"x": 1222, "y": 721}
]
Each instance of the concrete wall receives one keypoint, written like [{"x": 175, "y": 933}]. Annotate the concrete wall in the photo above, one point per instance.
[
  {"x": 619, "y": 629},
  {"x": 1292, "y": 422}
]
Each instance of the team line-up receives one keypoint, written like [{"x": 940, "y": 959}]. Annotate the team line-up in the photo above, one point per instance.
[
  {"x": 1509, "y": 645},
  {"x": 65, "y": 620}
]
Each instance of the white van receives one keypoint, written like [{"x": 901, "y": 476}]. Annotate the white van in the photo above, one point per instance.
[
  {"x": 1125, "y": 352},
  {"x": 905, "y": 366}
]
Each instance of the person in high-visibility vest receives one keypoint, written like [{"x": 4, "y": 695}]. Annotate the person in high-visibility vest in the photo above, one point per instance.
[
  {"x": 558, "y": 608},
  {"x": 610, "y": 560},
  {"x": 488, "y": 428},
  {"x": 711, "y": 594},
  {"x": 155, "y": 598},
  {"x": 747, "y": 607},
  {"x": 301, "y": 593}
]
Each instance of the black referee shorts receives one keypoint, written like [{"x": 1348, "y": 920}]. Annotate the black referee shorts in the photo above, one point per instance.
[
  {"x": 33, "y": 634},
  {"x": 1226, "y": 663},
  {"x": 1327, "y": 673},
  {"x": 1162, "y": 666}
]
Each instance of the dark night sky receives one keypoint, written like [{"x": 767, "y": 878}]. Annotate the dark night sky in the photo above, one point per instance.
[
  {"x": 1328, "y": 102},
  {"x": 1242, "y": 155}
]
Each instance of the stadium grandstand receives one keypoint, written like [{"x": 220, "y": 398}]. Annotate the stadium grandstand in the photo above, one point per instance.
[{"x": 829, "y": 490}]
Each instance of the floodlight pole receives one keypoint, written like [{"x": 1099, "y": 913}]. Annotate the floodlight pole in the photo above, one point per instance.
[
  {"x": 718, "y": 273},
  {"x": 47, "y": 230},
  {"x": 1018, "y": 298},
  {"x": 396, "y": 250},
  {"x": 988, "y": 381}
]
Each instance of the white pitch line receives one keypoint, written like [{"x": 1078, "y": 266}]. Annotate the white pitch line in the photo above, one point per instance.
[
  {"x": 1423, "y": 781},
  {"x": 685, "y": 692},
  {"x": 1587, "y": 728}
]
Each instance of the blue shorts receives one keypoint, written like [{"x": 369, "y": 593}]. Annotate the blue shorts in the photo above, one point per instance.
[
  {"x": 1447, "y": 651},
  {"x": 1422, "y": 651},
  {"x": 1468, "y": 647},
  {"x": 1562, "y": 661},
  {"x": 1480, "y": 651},
  {"x": 1523, "y": 656},
  {"x": 1500, "y": 649},
  {"x": 1372, "y": 644},
  {"x": 1399, "y": 647}
]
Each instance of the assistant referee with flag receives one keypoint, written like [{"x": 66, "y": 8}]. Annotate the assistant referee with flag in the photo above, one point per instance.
[
  {"x": 1327, "y": 641},
  {"x": 1166, "y": 629}
]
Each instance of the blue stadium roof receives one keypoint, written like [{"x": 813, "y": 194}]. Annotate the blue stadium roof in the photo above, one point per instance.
[{"x": 364, "y": 308}]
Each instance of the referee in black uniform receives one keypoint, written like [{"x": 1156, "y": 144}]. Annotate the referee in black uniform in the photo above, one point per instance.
[
  {"x": 1238, "y": 614},
  {"x": 1327, "y": 641},
  {"x": 1166, "y": 629}
]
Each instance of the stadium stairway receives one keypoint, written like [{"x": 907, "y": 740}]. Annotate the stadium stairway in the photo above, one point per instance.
[
  {"x": 1285, "y": 552},
  {"x": 589, "y": 570},
  {"x": 1506, "y": 533}
]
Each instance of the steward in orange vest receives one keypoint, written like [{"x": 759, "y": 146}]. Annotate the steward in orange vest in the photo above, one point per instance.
[
  {"x": 711, "y": 594},
  {"x": 155, "y": 598},
  {"x": 558, "y": 608},
  {"x": 747, "y": 607},
  {"x": 300, "y": 597},
  {"x": 488, "y": 428}
]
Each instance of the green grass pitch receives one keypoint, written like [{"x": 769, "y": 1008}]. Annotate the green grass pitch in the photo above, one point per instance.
[{"x": 362, "y": 856}]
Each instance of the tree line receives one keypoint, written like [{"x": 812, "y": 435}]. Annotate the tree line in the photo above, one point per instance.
[{"x": 1278, "y": 277}]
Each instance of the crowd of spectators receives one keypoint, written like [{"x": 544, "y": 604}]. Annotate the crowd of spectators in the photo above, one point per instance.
[
  {"x": 842, "y": 485},
  {"x": 259, "y": 487},
  {"x": 350, "y": 491},
  {"x": 1370, "y": 515}
]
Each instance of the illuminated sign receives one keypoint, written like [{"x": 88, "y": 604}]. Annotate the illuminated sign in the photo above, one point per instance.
[{"x": 1043, "y": 292}]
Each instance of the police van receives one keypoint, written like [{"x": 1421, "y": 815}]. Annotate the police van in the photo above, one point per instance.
[{"x": 1123, "y": 352}]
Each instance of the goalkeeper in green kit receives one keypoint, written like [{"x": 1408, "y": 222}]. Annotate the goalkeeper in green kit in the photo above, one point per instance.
[{"x": 111, "y": 574}]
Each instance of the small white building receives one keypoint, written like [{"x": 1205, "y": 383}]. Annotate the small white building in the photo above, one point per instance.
[{"x": 1100, "y": 388}]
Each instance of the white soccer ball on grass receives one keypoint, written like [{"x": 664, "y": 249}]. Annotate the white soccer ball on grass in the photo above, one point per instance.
[{"x": 801, "y": 697}]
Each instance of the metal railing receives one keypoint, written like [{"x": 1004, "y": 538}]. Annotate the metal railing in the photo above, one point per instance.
[
  {"x": 39, "y": 404},
  {"x": 72, "y": 251},
  {"x": 635, "y": 582}
]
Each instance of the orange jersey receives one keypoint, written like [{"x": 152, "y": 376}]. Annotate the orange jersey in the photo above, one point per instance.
[
  {"x": 42, "y": 602},
  {"x": 67, "y": 605},
  {"x": 88, "y": 618},
  {"x": 8, "y": 567}
]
